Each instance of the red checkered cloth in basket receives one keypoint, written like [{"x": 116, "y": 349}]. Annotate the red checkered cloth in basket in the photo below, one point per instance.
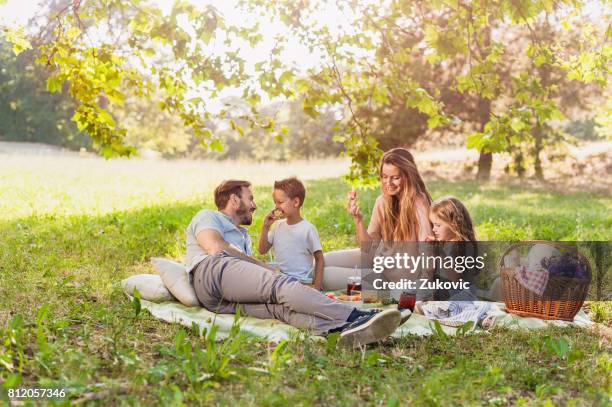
[{"x": 533, "y": 278}]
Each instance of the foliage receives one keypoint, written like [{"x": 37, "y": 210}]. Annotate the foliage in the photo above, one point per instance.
[
  {"x": 502, "y": 70},
  {"x": 302, "y": 137},
  {"x": 27, "y": 111},
  {"x": 148, "y": 128},
  {"x": 141, "y": 51},
  {"x": 439, "y": 59}
]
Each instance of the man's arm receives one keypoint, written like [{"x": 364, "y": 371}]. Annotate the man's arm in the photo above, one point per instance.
[
  {"x": 319, "y": 266},
  {"x": 211, "y": 241}
]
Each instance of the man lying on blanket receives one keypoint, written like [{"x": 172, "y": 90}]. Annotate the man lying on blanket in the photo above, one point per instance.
[{"x": 225, "y": 276}]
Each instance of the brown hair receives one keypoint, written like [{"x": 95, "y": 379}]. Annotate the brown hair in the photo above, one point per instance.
[
  {"x": 293, "y": 187},
  {"x": 451, "y": 211},
  {"x": 226, "y": 189},
  {"x": 399, "y": 222}
]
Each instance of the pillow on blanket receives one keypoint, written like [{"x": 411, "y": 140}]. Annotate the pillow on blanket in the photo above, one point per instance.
[
  {"x": 150, "y": 287},
  {"x": 176, "y": 280}
]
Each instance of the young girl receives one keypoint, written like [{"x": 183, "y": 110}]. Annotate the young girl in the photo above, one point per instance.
[
  {"x": 451, "y": 221},
  {"x": 453, "y": 231}
]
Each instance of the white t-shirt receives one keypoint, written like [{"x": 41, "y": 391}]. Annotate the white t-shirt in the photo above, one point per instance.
[{"x": 294, "y": 246}]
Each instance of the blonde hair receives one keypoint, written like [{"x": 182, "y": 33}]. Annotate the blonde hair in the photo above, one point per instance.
[
  {"x": 451, "y": 211},
  {"x": 399, "y": 221}
]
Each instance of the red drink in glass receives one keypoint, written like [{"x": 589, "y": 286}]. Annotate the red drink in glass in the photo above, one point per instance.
[
  {"x": 353, "y": 286},
  {"x": 407, "y": 301}
]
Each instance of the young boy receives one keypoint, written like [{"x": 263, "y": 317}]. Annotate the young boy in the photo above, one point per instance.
[{"x": 295, "y": 240}]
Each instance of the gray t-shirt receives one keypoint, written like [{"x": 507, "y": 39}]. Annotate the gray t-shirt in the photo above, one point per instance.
[
  {"x": 209, "y": 219},
  {"x": 294, "y": 246}
]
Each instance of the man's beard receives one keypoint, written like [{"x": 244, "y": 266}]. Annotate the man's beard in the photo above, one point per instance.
[{"x": 244, "y": 214}]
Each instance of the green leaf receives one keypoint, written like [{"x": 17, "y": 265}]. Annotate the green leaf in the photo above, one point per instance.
[
  {"x": 517, "y": 125},
  {"x": 240, "y": 130},
  {"x": 136, "y": 302},
  {"x": 216, "y": 145},
  {"x": 14, "y": 379},
  {"x": 18, "y": 38},
  {"x": 540, "y": 60},
  {"x": 54, "y": 84},
  {"x": 72, "y": 33},
  {"x": 285, "y": 77}
]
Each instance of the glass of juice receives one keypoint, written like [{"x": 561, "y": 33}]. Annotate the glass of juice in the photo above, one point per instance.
[
  {"x": 407, "y": 300},
  {"x": 353, "y": 285}
]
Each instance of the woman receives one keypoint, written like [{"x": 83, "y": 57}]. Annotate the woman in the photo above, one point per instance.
[{"x": 400, "y": 214}]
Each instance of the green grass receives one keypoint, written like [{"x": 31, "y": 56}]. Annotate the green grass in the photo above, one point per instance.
[{"x": 71, "y": 229}]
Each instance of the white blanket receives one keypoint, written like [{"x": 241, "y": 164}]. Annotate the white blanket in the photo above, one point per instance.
[{"x": 275, "y": 331}]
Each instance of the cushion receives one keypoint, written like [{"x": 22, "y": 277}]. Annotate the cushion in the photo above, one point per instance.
[
  {"x": 150, "y": 286},
  {"x": 176, "y": 280},
  {"x": 540, "y": 251}
]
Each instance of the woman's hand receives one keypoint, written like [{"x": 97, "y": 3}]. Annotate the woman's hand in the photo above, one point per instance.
[
  {"x": 430, "y": 239},
  {"x": 352, "y": 206}
]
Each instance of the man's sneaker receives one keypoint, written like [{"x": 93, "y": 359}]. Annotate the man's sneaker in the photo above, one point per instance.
[{"x": 369, "y": 328}]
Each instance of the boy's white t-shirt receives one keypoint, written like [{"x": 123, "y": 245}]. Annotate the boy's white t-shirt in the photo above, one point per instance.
[{"x": 294, "y": 246}]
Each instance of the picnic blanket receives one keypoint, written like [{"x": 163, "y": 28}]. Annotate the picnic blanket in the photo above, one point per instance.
[{"x": 275, "y": 331}]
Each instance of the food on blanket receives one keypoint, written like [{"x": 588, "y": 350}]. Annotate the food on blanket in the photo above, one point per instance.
[
  {"x": 387, "y": 301},
  {"x": 566, "y": 265},
  {"x": 344, "y": 297},
  {"x": 369, "y": 298}
]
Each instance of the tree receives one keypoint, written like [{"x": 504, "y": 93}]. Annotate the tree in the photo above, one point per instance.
[
  {"x": 365, "y": 70},
  {"x": 366, "y": 63},
  {"x": 103, "y": 50},
  {"x": 305, "y": 137},
  {"x": 27, "y": 111}
]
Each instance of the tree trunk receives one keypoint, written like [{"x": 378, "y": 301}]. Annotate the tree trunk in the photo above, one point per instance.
[
  {"x": 485, "y": 163},
  {"x": 537, "y": 164}
]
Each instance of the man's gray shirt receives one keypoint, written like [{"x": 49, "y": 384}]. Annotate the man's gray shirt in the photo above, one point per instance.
[{"x": 215, "y": 220}]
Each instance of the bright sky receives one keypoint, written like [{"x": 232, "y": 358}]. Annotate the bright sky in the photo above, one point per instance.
[{"x": 18, "y": 12}]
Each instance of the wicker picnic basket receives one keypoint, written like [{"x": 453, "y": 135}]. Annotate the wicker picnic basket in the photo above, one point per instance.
[{"x": 562, "y": 298}]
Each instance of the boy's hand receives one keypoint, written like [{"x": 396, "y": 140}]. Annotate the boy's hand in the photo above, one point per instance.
[
  {"x": 352, "y": 206},
  {"x": 270, "y": 218}
]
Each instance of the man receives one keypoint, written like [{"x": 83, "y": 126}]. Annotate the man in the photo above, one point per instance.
[{"x": 225, "y": 276}]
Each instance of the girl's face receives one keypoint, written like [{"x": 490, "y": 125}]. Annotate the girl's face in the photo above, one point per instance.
[
  {"x": 441, "y": 230},
  {"x": 390, "y": 179}
]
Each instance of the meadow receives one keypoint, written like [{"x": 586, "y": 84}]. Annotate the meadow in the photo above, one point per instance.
[{"x": 71, "y": 228}]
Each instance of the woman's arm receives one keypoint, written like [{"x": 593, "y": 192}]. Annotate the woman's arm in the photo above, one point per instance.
[{"x": 353, "y": 209}]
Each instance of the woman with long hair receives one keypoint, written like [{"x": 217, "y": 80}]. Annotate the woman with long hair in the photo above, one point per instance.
[{"x": 400, "y": 214}]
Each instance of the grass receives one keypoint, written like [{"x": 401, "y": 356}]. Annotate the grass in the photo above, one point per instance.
[{"x": 71, "y": 228}]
